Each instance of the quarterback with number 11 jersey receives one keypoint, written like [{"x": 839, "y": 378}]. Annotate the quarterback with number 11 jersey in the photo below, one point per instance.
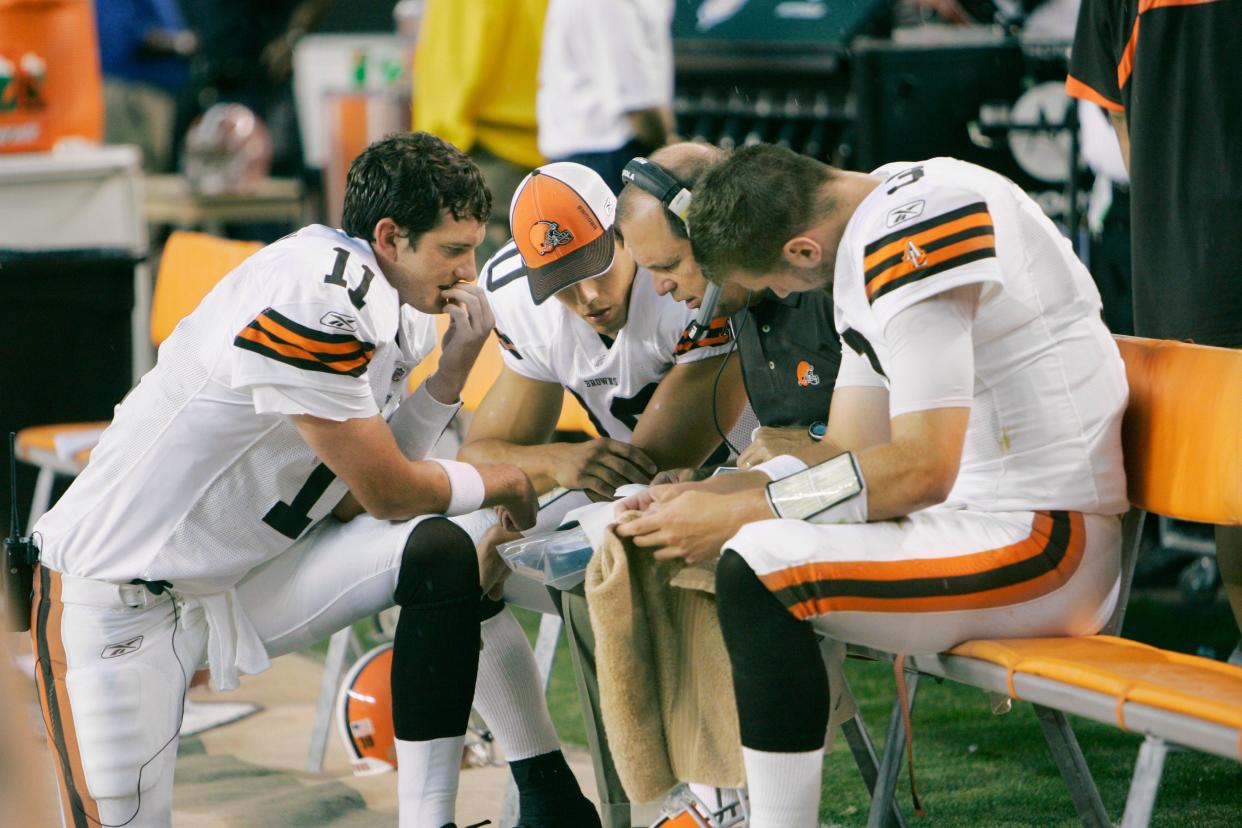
[
  {"x": 202, "y": 477},
  {"x": 613, "y": 380}
]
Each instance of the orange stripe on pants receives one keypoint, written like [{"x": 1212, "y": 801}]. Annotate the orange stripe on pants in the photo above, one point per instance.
[{"x": 804, "y": 576}]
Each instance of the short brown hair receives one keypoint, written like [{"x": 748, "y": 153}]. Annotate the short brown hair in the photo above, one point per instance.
[
  {"x": 746, "y": 208},
  {"x": 411, "y": 178}
]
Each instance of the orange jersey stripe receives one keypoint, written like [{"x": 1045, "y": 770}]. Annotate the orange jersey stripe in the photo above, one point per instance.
[
  {"x": 296, "y": 352},
  {"x": 940, "y": 231},
  {"x": 313, "y": 345},
  {"x": 1126, "y": 67},
  {"x": 1077, "y": 89},
  {"x": 936, "y": 257},
  {"x": 685, "y": 346}
]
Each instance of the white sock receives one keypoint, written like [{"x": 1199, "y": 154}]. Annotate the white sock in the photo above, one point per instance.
[
  {"x": 508, "y": 695},
  {"x": 784, "y": 788},
  {"x": 427, "y": 781}
]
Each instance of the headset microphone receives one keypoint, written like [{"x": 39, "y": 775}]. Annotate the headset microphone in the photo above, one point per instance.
[{"x": 20, "y": 556}]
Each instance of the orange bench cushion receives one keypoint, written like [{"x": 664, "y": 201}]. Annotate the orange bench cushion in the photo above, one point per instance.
[
  {"x": 36, "y": 440},
  {"x": 1126, "y": 670}
]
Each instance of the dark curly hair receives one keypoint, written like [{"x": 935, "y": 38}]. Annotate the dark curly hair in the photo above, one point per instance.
[
  {"x": 411, "y": 178},
  {"x": 746, "y": 208}
]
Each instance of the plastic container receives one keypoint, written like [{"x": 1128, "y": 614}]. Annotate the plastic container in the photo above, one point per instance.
[{"x": 556, "y": 559}]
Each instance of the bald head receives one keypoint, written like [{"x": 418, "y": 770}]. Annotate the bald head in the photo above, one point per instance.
[{"x": 686, "y": 162}]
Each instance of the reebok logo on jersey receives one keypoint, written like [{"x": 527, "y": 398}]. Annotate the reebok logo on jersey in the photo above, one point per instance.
[
  {"x": 339, "y": 321},
  {"x": 546, "y": 236},
  {"x": 122, "y": 648},
  {"x": 806, "y": 374},
  {"x": 904, "y": 213},
  {"x": 915, "y": 257}
]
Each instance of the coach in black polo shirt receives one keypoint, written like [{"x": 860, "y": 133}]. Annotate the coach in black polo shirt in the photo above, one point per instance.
[
  {"x": 789, "y": 347},
  {"x": 1167, "y": 72},
  {"x": 790, "y": 354}
]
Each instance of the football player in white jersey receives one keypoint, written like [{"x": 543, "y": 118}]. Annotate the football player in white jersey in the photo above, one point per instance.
[
  {"x": 200, "y": 530},
  {"x": 971, "y": 479},
  {"x": 573, "y": 312}
]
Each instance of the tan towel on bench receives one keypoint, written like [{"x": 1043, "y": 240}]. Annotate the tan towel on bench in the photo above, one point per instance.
[{"x": 666, "y": 692}]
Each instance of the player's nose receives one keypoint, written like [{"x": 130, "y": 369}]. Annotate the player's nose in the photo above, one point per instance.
[
  {"x": 586, "y": 292},
  {"x": 663, "y": 284},
  {"x": 467, "y": 271}
]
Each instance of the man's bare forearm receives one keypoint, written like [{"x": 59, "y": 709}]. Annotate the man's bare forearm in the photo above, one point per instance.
[{"x": 530, "y": 459}]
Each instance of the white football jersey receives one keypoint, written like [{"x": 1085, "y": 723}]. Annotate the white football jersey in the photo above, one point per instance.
[
  {"x": 614, "y": 382},
  {"x": 1050, "y": 387},
  {"x": 195, "y": 481}
]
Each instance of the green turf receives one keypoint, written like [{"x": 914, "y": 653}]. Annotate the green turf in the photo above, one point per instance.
[{"x": 978, "y": 769}]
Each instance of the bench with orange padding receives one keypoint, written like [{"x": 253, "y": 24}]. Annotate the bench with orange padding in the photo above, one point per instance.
[
  {"x": 190, "y": 266},
  {"x": 1182, "y": 439}
]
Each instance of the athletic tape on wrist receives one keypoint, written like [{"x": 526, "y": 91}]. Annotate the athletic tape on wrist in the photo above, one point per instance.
[
  {"x": 830, "y": 492},
  {"x": 466, "y": 491},
  {"x": 782, "y": 465}
]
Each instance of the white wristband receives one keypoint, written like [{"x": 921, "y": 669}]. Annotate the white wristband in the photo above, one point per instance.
[
  {"x": 466, "y": 491},
  {"x": 782, "y": 465}
]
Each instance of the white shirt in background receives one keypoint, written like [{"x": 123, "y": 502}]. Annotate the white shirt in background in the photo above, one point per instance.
[{"x": 601, "y": 59}]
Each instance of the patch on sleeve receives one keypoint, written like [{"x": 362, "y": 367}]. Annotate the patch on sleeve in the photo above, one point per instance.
[
  {"x": 507, "y": 344},
  {"x": 719, "y": 332},
  {"x": 278, "y": 337},
  {"x": 941, "y": 243}
]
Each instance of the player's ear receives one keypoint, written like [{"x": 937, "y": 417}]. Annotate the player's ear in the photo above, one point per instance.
[
  {"x": 387, "y": 237},
  {"x": 802, "y": 252}
]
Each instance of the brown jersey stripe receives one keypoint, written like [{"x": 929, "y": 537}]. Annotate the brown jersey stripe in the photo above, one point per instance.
[
  {"x": 1021, "y": 571},
  {"x": 256, "y": 334},
  {"x": 316, "y": 341},
  {"x": 928, "y": 247},
  {"x": 923, "y": 273},
  {"x": 904, "y": 234},
  {"x": 934, "y": 262},
  {"x": 298, "y": 358},
  {"x": 927, "y": 236},
  {"x": 80, "y": 809}
]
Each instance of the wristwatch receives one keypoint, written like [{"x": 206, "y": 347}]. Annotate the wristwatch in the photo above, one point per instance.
[{"x": 817, "y": 430}]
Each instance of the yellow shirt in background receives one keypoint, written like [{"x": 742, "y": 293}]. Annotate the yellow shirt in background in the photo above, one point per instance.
[{"x": 475, "y": 75}]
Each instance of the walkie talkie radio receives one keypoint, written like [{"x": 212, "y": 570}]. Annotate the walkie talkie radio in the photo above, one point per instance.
[{"x": 20, "y": 556}]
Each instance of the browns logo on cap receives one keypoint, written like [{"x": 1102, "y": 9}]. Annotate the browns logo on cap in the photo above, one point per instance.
[{"x": 561, "y": 219}]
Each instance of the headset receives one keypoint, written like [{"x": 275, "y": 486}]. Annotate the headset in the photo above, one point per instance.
[{"x": 651, "y": 178}]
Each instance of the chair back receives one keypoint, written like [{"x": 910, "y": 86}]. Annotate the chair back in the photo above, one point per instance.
[
  {"x": 190, "y": 266},
  {"x": 1182, "y": 435},
  {"x": 1182, "y": 442}
]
